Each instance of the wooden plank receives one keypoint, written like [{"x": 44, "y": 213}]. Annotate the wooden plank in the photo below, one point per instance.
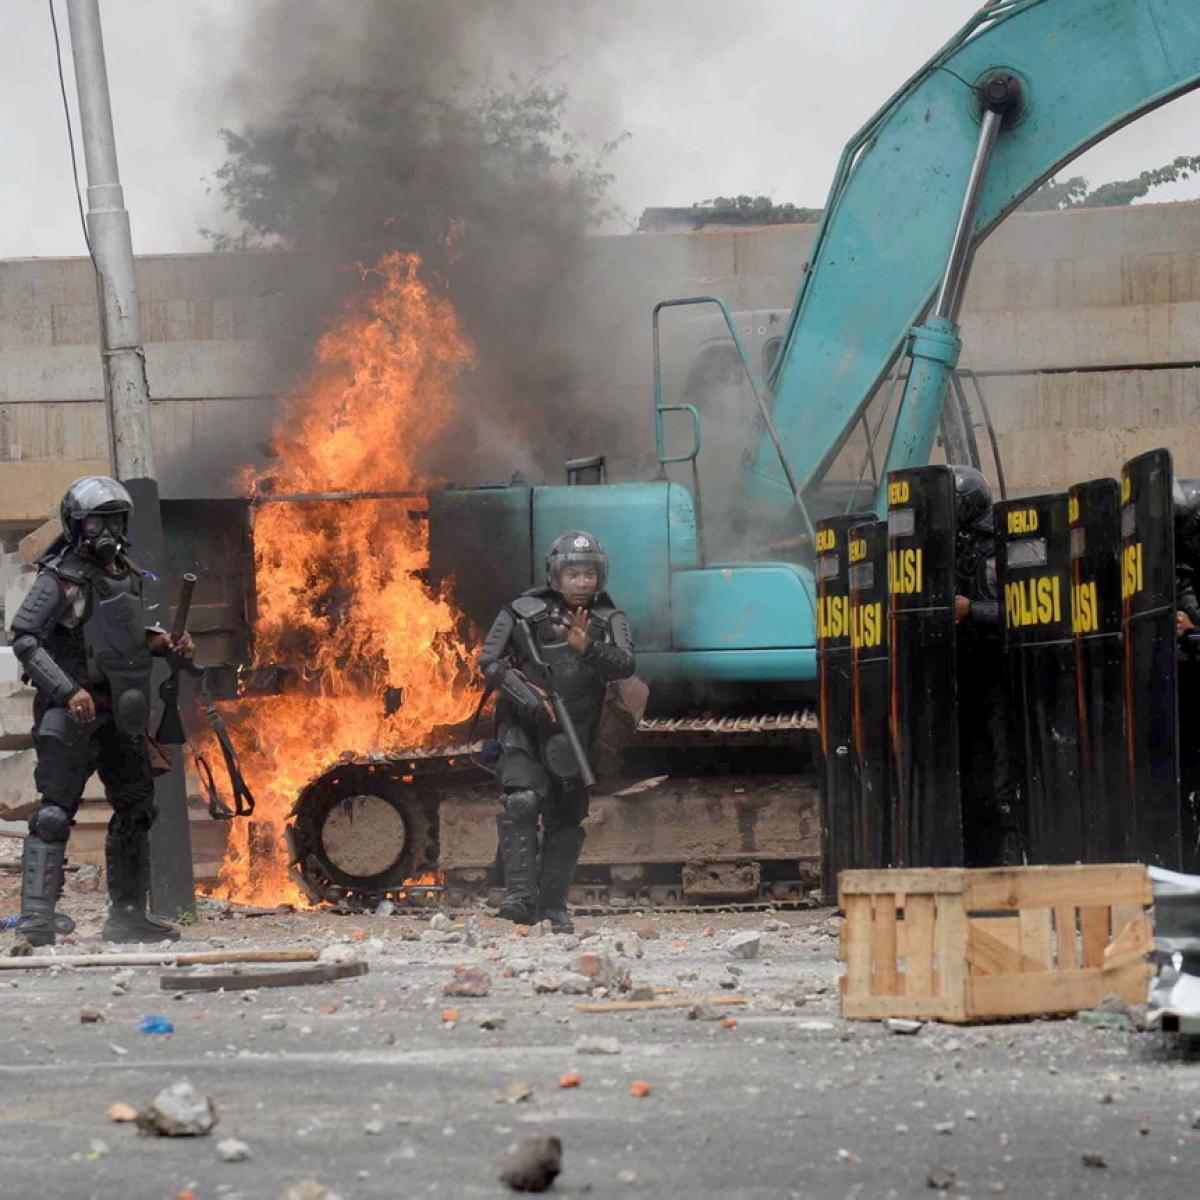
[
  {"x": 883, "y": 945},
  {"x": 1065, "y": 940},
  {"x": 1047, "y": 887},
  {"x": 857, "y": 928},
  {"x": 1036, "y": 937},
  {"x": 918, "y": 945},
  {"x": 928, "y": 881},
  {"x": 1093, "y": 924},
  {"x": 1134, "y": 941},
  {"x": 879, "y": 1008},
  {"x": 1122, "y": 914},
  {"x": 241, "y": 981},
  {"x": 164, "y": 958},
  {"x": 619, "y": 1006},
  {"x": 994, "y": 956},
  {"x": 951, "y": 920},
  {"x": 1053, "y": 991}
]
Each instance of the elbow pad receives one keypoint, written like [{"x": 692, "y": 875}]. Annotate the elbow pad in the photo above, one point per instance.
[
  {"x": 614, "y": 659},
  {"x": 514, "y": 687},
  {"x": 42, "y": 671}
]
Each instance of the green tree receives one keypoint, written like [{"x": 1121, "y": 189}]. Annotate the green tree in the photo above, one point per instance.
[
  {"x": 1057, "y": 195},
  {"x": 753, "y": 210}
]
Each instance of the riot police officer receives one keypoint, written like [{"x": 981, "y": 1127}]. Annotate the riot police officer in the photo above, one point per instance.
[
  {"x": 992, "y": 829},
  {"x": 1187, "y": 556},
  {"x": 82, "y": 640},
  {"x": 566, "y": 640}
]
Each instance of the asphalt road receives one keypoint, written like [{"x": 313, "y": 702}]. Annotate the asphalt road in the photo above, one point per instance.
[{"x": 790, "y": 1101}]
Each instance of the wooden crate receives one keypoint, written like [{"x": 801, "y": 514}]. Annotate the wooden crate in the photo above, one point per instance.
[{"x": 969, "y": 945}]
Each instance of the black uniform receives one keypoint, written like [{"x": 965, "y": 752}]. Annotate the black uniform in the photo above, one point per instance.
[
  {"x": 535, "y": 771},
  {"x": 83, "y": 625}
]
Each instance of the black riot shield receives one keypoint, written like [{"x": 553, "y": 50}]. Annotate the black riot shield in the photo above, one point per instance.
[
  {"x": 835, "y": 767},
  {"x": 1148, "y": 624},
  {"x": 1094, "y": 513},
  {"x": 1033, "y": 570},
  {"x": 867, "y": 549},
  {"x": 926, "y": 805}
]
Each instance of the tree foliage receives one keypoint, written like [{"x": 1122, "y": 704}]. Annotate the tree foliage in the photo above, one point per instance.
[
  {"x": 753, "y": 210},
  {"x": 1056, "y": 195}
]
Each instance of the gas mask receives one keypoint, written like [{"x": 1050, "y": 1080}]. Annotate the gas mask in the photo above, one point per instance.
[{"x": 103, "y": 534}]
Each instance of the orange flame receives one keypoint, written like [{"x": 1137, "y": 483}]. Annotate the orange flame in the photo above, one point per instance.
[{"x": 337, "y": 586}]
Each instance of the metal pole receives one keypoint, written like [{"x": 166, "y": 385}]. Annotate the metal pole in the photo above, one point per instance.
[{"x": 127, "y": 396}]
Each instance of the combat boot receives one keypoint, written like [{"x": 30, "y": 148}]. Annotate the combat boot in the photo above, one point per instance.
[
  {"x": 127, "y": 859},
  {"x": 518, "y": 851},
  {"x": 42, "y": 867},
  {"x": 560, "y": 854}
]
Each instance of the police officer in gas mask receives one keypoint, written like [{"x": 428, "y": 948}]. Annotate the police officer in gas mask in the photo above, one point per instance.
[
  {"x": 567, "y": 641},
  {"x": 992, "y": 826},
  {"x": 82, "y": 640}
]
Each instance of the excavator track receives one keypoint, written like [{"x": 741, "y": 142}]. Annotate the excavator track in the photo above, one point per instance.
[{"x": 418, "y": 827}]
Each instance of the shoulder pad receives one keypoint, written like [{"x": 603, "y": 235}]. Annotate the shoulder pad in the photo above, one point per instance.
[
  {"x": 529, "y": 608},
  {"x": 70, "y": 566},
  {"x": 603, "y": 614},
  {"x": 40, "y": 606}
]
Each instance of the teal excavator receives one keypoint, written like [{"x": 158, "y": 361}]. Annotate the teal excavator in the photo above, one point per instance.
[{"x": 1023, "y": 88}]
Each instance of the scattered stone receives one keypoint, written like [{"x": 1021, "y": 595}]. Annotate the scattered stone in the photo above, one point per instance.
[
  {"x": 522, "y": 966},
  {"x": 493, "y": 1021},
  {"x": 796, "y": 998},
  {"x": 576, "y": 985},
  {"x": 629, "y": 945},
  {"x": 120, "y": 1112},
  {"x": 849, "y": 1158},
  {"x": 385, "y": 908},
  {"x": 1100, "y": 1019},
  {"x": 946, "y": 1128},
  {"x": 532, "y": 1165},
  {"x": 703, "y": 1011},
  {"x": 1196, "y": 1119},
  {"x": 515, "y": 1092},
  {"x": 903, "y": 1026},
  {"x": 85, "y": 879},
  {"x": 546, "y": 982},
  {"x": 1091, "y": 1159},
  {"x": 274, "y": 1021},
  {"x": 307, "y": 1189},
  {"x": 373, "y": 1128},
  {"x": 745, "y": 944},
  {"x": 178, "y": 1111},
  {"x": 338, "y": 953},
  {"x": 97, "y": 1148},
  {"x": 640, "y": 1088},
  {"x": 440, "y": 922},
  {"x": 597, "y": 1045},
  {"x": 627, "y": 1177},
  {"x": 572, "y": 1079},
  {"x": 122, "y": 982},
  {"x": 232, "y": 1150},
  {"x": 648, "y": 933},
  {"x": 642, "y": 993},
  {"x": 1112, "y": 1003},
  {"x": 541, "y": 930},
  {"x": 941, "y": 1179},
  {"x": 91, "y": 1016},
  {"x": 470, "y": 982}
]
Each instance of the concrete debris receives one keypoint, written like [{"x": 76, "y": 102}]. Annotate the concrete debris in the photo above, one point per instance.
[
  {"x": 703, "y": 1011},
  {"x": 122, "y": 982},
  {"x": 373, "y": 1128},
  {"x": 273, "y": 1021},
  {"x": 1091, "y": 1159},
  {"x": 629, "y": 945},
  {"x": 232, "y": 1150},
  {"x": 178, "y": 1111},
  {"x": 903, "y": 1026},
  {"x": 849, "y": 1158},
  {"x": 946, "y": 1128},
  {"x": 745, "y": 944},
  {"x": 471, "y": 982},
  {"x": 541, "y": 929},
  {"x": 493, "y": 1021},
  {"x": 307, "y": 1189},
  {"x": 1112, "y": 1003},
  {"x": 85, "y": 879},
  {"x": 339, "y": 952},
  {"x": 576, "y": 985},
  {"x": 88, "y": 1015},
  {"x": 1104, "y": 1020},
  {"x": 440, "y": 922},
  {"x": 546, "y": 982},
  {"x": 385, "y": 908},
  {"x": 121, "y": 1113},
  {"x": 627, "y": 1177},
  {"x": 597, "y": 1045},
  {"x": 97, "y": 1148},
  {"x": 532, "y": 1165},
  {"x": 941, "y": 1179},
  {"x": 522, "y": 966},
  {"x": 515, "y": 1092}
]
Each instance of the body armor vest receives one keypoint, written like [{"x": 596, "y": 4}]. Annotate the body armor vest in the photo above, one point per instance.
[{"x": 115, "y": 649}]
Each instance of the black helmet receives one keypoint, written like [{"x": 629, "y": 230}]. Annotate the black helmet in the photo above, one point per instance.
[
  {"x": 575, "y": 548},
  {"x": 95, "y": 515},
  {"x": 1186, "y": 497},
  {"x": 972, "y": 498}
]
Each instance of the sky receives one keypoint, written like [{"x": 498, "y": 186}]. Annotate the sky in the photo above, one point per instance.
[{"x": 719, "y": 97}]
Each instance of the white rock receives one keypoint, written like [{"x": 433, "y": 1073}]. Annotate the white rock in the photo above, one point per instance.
[
  {"x": 576, "y": 985},
  {"x": 597, "y": 1045},
  {"x": 745, "y": 944},
  {"x": 338, "y": 953},
  {"x": 441, "y": 922},
  {"x": 122, "y": 982},
  {"x": 373, "y": 1128},
  {"x": 274, "y": 1020},
  {"x": 179, "y": 1111},
  {"x": 232, "y": 1150}
]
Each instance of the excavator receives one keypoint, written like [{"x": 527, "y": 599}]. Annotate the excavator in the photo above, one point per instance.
[{"x": 722, "y": 596}]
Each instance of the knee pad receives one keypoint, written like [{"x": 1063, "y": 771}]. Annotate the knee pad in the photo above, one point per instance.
[
  {"x": 51, "y": 823},
  {"x": 132, "y": 822},
  {"x": 522, "y": 805}
]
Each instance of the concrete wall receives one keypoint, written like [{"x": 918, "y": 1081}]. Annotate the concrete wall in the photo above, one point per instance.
[{"x": 1079, "y": 293}]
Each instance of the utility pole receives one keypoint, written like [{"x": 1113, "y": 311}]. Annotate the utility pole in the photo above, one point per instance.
[{"x": 127, "y": 399}]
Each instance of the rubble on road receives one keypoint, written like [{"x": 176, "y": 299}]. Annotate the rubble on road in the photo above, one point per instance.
[
  {"x": 178, "y": 1111},
  {"x": 532, "y": 1165}
]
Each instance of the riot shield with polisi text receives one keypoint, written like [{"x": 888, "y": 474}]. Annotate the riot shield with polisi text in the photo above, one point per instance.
[
  {"x": 926, "y": 805},
  {"x": 835, "y": 764},
  {"x": 1033, "y": 571},
  {"x": 1151, "y": 675},
  {"x": 867, "y": 550},
  {"x": 1094, "y": 512}
]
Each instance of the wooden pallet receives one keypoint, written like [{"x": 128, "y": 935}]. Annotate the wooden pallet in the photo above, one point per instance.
[{"x": 970, "y": 945}]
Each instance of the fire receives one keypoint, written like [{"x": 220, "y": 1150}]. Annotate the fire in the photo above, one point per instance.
[{"x": 337, "y": 587}]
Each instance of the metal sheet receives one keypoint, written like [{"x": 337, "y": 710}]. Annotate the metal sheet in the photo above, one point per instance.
[
  {"x": 835, "y": 766},
  {"x": 923, "y": 704},
  {"x": 1094, "y": 514},
  {"x": 1033, "y": 569},
  {"x": 1148, "y": 623},
  {"x": 867, "y": 549}
]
